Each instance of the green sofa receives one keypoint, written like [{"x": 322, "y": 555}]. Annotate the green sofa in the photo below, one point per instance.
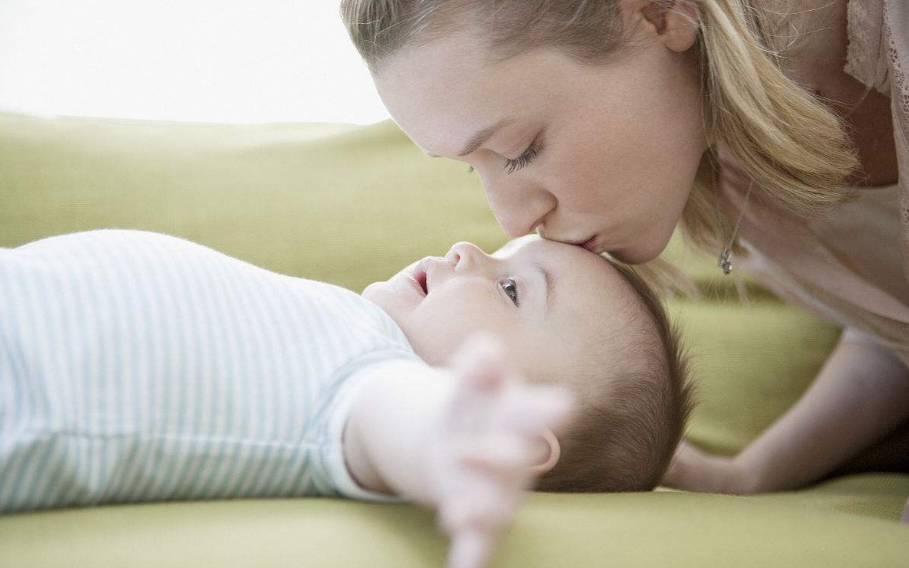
[{"x": 350, "y": 205}]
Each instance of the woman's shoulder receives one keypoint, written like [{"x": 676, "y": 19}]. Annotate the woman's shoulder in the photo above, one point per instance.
[
  {"x": 811, "y": 37},
  {"x": 836, "y": 50},
  {"x": 822, "y": 42}
]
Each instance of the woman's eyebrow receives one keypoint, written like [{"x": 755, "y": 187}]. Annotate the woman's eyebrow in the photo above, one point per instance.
[{"x": 483, "y": 135}]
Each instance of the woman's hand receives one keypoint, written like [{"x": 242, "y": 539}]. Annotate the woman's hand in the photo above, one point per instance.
[
  {"x": 482, "y": 456},
  {"x": 693, "y": 470}
]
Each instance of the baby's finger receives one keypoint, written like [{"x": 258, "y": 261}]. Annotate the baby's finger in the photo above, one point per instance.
[
  {"x": 489, "y": 511},
  {"x": 530, "y": 411},
  {"x": 501, "y": 455},
  {"x": 480, "y": 363},
  {"x": 470, "y": 549}
]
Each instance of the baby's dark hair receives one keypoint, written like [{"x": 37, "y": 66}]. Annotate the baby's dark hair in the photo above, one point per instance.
[{"x": 630, "y": 421}]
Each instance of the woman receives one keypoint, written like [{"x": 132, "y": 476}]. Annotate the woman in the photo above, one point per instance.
[{"x": 755, "y": 126}]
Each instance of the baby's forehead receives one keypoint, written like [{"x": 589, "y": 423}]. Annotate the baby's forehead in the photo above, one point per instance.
[
  {"x": 590, "y": 321},
  {"x": 514, "y": 244},
  {"x": 555, "y": 256},
  {"x": 584, "y": 280}
]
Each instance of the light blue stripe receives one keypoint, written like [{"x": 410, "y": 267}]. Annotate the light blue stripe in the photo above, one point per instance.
[
  {"x": 249, "y": 451},
  {"x": 305, "y": 326},
  {"x": 202, "y": 407},
  {"x": 259, "y": 383},
  {"x": 21, "y": 409},
  {"x": 239, "y": 374},
  {"x": 311, "y": 481},
  {"x": 97, "y": 376},
  {"x": 272, "y": 381},
  {"x": 193, "y": 320},
  {"x": 67, "y": 361},
  {"x": 177, "y": 348},
  {"x": 327, "y": 354},
  {"x": 176, "y": 439},
  {"x": 52, "y": 381},
  {"x": 110, "y": 348},
  {"x": 119, "y": 271},
  {"x": 145, "y": 345},
  {"x": 216, "y": 466},
  {"x": 224, "y": 358},
  {"x": 9, "y": 393},
  {"x": 292, "y": 370},
  {"x": 103, "y": 382},
  {"x": 73, "y": 280},
  {"x": 20, "y": 489},
  {"x": 108, "y": 294},
  {"x": 14, "y": 383}
]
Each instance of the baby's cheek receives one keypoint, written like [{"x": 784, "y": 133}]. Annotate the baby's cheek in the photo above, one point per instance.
[{"x": 449, "y": 316}]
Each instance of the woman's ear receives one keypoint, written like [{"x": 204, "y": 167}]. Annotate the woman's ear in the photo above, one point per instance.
[
  {"x": 547, "y": 451},
  {"x": 674, "y": 23}
]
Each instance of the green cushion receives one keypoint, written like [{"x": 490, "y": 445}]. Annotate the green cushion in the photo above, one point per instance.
[
  {"x": 751, "y": 362},
  {"x": 343, "y": 204},
  {"x": 626, "y": 530},
  {"x": 351, "y": 205}
]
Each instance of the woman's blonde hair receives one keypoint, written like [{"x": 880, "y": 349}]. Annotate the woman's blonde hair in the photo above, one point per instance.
[{"x": 788, "y": 142}]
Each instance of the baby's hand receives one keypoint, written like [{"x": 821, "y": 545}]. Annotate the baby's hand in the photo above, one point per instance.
[{"x": 484, "y": 451}]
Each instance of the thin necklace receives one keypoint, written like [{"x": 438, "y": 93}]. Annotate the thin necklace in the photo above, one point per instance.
[{"x": 724, "y": 261}]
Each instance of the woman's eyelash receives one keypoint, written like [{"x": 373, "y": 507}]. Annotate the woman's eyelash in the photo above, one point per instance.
[{"x": 524, "y": 159}]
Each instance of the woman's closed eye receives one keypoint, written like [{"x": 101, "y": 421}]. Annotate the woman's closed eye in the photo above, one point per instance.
[
  {"x": 510, "y": 287},
  {"x": 525, "y": 159}
]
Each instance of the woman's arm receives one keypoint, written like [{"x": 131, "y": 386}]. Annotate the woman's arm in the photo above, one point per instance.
[
  {"x": 462, "y": 442},
  {"x": 860, "y": 395}
]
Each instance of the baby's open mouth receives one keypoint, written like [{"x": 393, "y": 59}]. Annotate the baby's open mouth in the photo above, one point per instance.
[{"x": 419, "y": 276}]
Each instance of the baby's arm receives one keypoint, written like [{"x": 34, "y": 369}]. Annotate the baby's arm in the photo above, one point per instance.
[
  {"x": 460, "y": 442},
  {"x": 860, "y": 395}
]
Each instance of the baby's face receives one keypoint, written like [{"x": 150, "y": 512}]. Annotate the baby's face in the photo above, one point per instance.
[{"x": 548, "y": 302}]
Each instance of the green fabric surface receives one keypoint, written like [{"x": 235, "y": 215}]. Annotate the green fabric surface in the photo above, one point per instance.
[
  {"x": 351, "y": 205},
  {"x": 337, "y": 203},
  {"x": 750, "y": 363},
  {"x": 628, "y": 530}
]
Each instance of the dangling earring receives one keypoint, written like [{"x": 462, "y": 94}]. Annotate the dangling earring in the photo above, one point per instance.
[
  {"x": 469, "y": 169},
  {"x": 724, "y": 261}
]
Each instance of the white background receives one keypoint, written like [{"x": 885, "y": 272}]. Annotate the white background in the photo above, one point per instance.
[{"x": 242, "y": 61}]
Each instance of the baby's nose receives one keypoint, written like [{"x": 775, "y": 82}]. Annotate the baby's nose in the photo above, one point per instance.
[{"x": 466, "y": 255}]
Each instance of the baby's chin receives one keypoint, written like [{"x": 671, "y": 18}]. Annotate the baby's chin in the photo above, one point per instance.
[
  {"x": 395, "y": 299},
  {"x": 381, "y": 294},
  {"x": 373, "y": 293}
]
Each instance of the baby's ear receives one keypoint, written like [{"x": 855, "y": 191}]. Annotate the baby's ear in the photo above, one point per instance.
[{"x": 547, "y": 451}]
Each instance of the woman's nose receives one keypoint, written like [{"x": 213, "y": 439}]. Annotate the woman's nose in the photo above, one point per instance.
[
  {"x": 467, "y": 256},
  {"x": 519, "y": 207}
]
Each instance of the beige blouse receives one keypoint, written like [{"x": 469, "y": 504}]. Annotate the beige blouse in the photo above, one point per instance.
[{"x": 852, "y": 267}]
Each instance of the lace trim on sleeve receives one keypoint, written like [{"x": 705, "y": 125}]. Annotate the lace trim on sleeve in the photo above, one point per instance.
[{"x": 866, "y": 53}]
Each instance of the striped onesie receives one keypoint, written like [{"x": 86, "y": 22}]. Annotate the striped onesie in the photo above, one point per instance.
[{"x": 136, "y": 366}]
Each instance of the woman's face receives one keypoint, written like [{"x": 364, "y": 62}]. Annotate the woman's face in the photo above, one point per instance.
[{"x": 603, "y": 154}]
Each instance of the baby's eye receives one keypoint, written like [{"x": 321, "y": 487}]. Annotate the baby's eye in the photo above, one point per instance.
[{"x": 510, "y": 287}]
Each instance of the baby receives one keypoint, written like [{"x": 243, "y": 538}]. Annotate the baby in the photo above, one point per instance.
[{"x": 136, "y": 366}]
